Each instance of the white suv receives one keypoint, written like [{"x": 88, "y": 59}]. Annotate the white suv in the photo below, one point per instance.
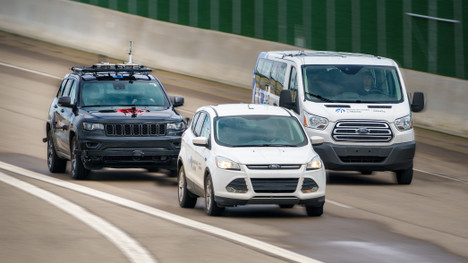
[{"x": 238, "y": 154}]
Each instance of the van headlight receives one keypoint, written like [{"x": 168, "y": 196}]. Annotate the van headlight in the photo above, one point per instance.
[
  {"x": 314, "y": 164},
  {"x": 314, "y": 121},
  {"x": 404, "y": 123},
  {"x": 89, "y": 126},
  {"x": 226, "y": 164}
]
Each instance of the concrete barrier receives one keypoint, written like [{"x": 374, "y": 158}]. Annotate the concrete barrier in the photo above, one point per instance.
[{"x": 201, "y": 53}]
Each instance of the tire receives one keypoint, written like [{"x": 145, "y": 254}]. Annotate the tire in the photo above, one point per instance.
[
  {"x": 172, "y": 173},
  {"x": 55, "y": 163},
  {"x": 211, "y": 208},
  {"x": 78, "y": 171},
  {"x": 314, "y": 210},
  {"x": 404, "y": 176},
  {"x": 366, "y": 172},
  {"x": 186, "y": 198},
  {"x": 286, "y": 206}
]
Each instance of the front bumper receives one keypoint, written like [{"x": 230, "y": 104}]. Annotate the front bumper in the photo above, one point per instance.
[
  {"x": 367, "y": 158},
  {"x": 127, "y": 152}
]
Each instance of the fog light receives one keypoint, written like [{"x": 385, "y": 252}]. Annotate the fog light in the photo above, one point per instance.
[
  {"x": 237, "y": 186},
  {"x": 309, "y": 186}
]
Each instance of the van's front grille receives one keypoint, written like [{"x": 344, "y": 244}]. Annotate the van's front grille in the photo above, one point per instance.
[
  {"x": 136, "y": 129},
  {"x": 362, "y": 131}
]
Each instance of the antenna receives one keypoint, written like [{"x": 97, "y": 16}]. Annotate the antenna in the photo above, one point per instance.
[{"x": 130, "y": 53}]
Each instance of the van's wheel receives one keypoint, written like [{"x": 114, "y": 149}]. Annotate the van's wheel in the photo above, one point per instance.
[
  {"x": 314, "y": 210},
  {"x": 211, "y": 208},
  {"x": 55, "y": 163},
  {"x": 186, "y": 198},
  {"x": 404, "y": 176},
  {"x": 78, "y": 171}
]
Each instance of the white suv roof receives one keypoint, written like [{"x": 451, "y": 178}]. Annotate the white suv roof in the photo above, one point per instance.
[
  {"x": 246, "y": 109},
  {"x": 331, "y": 57}
]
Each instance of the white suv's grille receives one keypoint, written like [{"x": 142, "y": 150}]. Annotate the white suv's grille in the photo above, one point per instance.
[{"x": 362, "y": 131}]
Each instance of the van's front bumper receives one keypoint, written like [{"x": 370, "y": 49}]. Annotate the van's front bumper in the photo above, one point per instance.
[{"x": 367, "y": 158}]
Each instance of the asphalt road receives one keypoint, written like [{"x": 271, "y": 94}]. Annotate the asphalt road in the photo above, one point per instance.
[{"x": 133, "y": 215}]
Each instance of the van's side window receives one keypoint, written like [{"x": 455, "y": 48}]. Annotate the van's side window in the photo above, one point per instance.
[
  {"x": 277, "y": 77},
  {"x": 293, "y": 83}
]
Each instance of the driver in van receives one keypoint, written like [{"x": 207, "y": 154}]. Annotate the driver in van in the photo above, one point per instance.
[{"x": 367, "y": 84}]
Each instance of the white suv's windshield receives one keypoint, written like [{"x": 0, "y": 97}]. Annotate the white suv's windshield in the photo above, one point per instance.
[
  {"x": 351, "y": 83},
  {"x": 259, "y": 131},
  {"x": 122, "y": 93}
]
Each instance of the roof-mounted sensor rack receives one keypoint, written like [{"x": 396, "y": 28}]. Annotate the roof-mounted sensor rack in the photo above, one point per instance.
[{"x": 107, "y": 67}]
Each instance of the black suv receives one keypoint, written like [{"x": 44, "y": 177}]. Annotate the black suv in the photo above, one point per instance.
[{"x": 113, "y": 115}]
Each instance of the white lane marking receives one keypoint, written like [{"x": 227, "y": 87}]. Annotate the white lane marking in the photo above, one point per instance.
[
  {"x": 225, "y": 234},
  {"x": 31, "y": 71},
  {"x": 338, "y": 204},
  {"x": 130, "y": 247},
  {"x": 442, "y": 176}
]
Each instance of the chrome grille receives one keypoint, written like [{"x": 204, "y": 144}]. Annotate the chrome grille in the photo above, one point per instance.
[
  {"x": 280, "y": 185},
  {"x": 130, "y": 130},
  {"x": 362, "y": 131},
  {"x": 274, "y": 166}
]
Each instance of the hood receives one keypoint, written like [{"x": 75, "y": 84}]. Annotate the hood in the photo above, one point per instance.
[
  {"x": 109, "y": 114},
  {"x": 353, "y": 111},
  {"x": 268, "y": 155}
]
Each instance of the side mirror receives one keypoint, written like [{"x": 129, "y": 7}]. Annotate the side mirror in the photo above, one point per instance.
[
  {"x": 417, "y": 104},
  {"x": 64, "y": 102},
  {"x": 285, "y": 100},
  {"x": 177, "y": 101},
  {"x": 200, "y": 141},
  {"x": 316, "y": 140}
]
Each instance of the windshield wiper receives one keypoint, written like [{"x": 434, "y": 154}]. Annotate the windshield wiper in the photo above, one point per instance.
[
  {"x": 265, "y": 145},
  {"x": 319, "y": 97}
]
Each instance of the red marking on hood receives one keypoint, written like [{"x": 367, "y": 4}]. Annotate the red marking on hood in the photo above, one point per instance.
[{"x": 131, "y": 111}]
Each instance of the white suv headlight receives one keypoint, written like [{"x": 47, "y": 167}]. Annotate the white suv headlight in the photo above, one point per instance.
[
  {"x": 404, "y": 123},
  {"x": 89, "y": 126},
  {"x": 315, "y": 164},
  {"x": 314, "y": 121},
  {"x": 225, "y": 163}
]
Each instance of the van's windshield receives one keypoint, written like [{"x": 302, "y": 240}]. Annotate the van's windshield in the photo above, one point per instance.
[
  {"x": 351, "y": 83},
  {"x": 259, "y": 131}
]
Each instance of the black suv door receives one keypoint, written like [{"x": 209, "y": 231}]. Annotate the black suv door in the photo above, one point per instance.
[{"x": 62, "y": 118}]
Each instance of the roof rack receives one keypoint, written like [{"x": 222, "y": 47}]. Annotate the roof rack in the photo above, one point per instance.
[
  {"x": 106, "y": 67},
  {"x": 326, "y": 53}
]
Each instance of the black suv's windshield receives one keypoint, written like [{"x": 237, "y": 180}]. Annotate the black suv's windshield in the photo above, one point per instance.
[
  {"x": 259, "y": 131},
  {"x": 351, "y": 83},
  {"x": 122, "y": 93}
]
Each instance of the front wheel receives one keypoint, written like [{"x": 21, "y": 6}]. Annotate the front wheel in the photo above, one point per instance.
[
  {"x": 78, "y": 171},
  {"x": 54, "y": 163},
  {"x": 404, "y": 176},
  {"x": 211, "y": 207},
  {"x": 186, "y": 198},
  {"x": 314, "y": 210}
]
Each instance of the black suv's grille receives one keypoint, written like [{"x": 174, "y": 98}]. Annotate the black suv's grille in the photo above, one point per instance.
[
  {"x": 128, "y": 129},
  {"x": 280, "y": 185}
]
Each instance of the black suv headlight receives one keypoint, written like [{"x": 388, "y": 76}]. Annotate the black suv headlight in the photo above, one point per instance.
[
  {"x": 89, "y": 126},
  {"x": 176, "y": 126}
]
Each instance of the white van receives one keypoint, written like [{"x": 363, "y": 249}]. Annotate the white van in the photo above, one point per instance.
[{"x": 358, "y": 103}]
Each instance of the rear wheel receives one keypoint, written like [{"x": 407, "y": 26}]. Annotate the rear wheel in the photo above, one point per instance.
[
  {"x": 78, "y": 171},
  {"x": 404, "y": 176},
  {"x": 314, "y": 210},
  {"x": 55, "y": 163},
  {"x": 186, "y": 198},
  {"x": 211, "y": 208}
]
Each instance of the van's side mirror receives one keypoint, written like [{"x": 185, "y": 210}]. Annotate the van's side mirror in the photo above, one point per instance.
[
  {"x": 417, "y": 104},
  {"x": 177, "y": 101},
  {"x": 285, "y": 100},
  {"x": 200, "y": 141},
  {"x": 64, "y": 102},
  {"x": 316, "y": 140}
]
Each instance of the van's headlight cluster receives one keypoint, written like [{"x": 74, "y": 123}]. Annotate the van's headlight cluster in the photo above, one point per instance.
[
  {"x": 314, "y": 121},
  {"x": 404, "y": 123},
  {"x": 89, "y": 126},
  {"x": 314, "y": 164}
]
